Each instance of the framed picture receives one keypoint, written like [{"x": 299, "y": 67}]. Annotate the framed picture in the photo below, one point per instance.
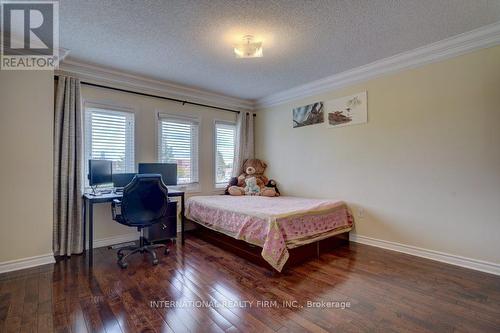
[
  {"x": 308, "y": 115},
  {"x": 345, "y": 111}
]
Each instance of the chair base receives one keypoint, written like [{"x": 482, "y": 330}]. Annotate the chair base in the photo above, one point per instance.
[{"x": 143, "y": 247}]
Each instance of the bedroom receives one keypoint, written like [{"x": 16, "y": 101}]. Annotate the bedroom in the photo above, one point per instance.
[{"x": 416, "y": 170}]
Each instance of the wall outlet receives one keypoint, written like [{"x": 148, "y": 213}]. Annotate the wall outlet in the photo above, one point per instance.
[{"x": 361, "y": 213}]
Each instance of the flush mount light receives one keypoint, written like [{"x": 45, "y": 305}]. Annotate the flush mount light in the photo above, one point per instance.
[{"x": 248, "y": 48}]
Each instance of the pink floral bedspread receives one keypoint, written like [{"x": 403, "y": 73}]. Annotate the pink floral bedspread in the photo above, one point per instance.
[{"x": 269, "y": 222}]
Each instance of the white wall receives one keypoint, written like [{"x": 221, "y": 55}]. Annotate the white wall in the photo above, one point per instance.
[
  {"x": 145, "y": 109},
  {"x": 425, "y": 168},
  {"x": 26, "y": 123}
]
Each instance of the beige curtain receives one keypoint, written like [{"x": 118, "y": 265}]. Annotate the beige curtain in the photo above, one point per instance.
[
  {"x": 245, "y": 145},
  {"x": 68, "y": 156}
]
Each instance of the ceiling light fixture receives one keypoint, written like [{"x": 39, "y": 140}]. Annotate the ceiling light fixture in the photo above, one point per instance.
[{"x": 248, "y": 48}]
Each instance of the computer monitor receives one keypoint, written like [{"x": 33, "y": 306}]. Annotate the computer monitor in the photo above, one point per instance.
[
  {"x": 100, "y": 172},
  {"x": 121, "y": 180},
  {"x": 168, "y": 171}
]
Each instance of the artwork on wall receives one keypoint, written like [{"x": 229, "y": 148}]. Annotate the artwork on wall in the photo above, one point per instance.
[
  {"x": 349, "y": 110},
  {"x": 308, "y": 115}
]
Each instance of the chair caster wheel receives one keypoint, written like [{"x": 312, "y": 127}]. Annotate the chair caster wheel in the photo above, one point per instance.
[
  {"x": 155, "y": 262},
  {"x": 122, "y": 264},
  {"x": 166, "y": 251},
  {"x": 119, "y": 256}
]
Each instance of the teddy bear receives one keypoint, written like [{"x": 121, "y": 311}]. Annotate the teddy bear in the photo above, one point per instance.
[
  {"x": 232, "y": 182},
  {"x": 253, "y": 168},
  {"x": 251, "y": 188},
  {"x": 271, "y": 184}
]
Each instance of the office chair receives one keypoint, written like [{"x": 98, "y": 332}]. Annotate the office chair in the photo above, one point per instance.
[{"x": 144, "y": 203}]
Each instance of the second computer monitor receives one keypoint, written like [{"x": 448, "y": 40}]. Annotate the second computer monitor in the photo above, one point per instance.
[
  {"x": 168, "y": 171},
  {"x": 100, "y": 172},
  {"x": 120, "y": 180}
]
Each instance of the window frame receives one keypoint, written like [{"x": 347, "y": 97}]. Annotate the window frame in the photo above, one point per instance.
[
  {"x": 160, "y": 116},
  {"x": 87, "y": 106},
  {"x": 216, "y": 185}
]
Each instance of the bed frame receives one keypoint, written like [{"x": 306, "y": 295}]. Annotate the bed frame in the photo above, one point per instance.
[{"x": 253, "y": 253}]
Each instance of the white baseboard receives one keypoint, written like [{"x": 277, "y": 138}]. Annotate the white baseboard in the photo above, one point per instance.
[
  {"x": 108, "y": 241},
  {"x": 14, "y": 265},
  {"x": 479, "y": 265}
]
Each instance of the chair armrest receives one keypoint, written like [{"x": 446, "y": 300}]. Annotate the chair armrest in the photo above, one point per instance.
[{"x": 116, "y": 208}]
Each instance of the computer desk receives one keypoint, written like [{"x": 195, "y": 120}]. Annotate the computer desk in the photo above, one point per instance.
[{"x": 88, "y": 209}]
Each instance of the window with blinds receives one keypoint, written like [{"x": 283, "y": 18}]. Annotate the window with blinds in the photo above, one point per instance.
[
  {"x": 178, "y": 143},
  {"x": 225, "y": 134},
  {"x": 109, "y": 135}
]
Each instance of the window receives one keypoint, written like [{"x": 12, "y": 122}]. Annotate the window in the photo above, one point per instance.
[
  {"x": 178, "y": 143},
  {"x": 225, "y": 133},
  {"x": 109, "y": 135}
]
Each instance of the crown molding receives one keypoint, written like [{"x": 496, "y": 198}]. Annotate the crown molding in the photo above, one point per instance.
[
  {"x": 483, "y": 37},
  {"x": 124, "y": 80}
]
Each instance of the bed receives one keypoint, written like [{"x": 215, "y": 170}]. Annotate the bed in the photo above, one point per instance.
[{"x": 276, "y": 225}]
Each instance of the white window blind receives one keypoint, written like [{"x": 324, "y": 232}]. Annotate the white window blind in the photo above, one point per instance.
[
  {"x": 109, "y": 135},
  {"x": 178, "y": 143},
  {"x": 225, "y": 134}
]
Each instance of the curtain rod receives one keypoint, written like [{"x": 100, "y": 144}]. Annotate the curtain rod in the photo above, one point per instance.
[{"x": 156, "y": 96}]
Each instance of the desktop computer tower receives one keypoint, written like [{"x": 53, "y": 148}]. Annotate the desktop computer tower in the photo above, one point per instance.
[{"x": 164, "y": 230}]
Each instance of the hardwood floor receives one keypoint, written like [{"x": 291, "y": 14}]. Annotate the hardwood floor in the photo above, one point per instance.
[{"x": 386, "y": 291}]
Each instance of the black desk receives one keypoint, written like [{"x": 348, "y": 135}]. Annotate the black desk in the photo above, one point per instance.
[{"x": 89, "y": 200}]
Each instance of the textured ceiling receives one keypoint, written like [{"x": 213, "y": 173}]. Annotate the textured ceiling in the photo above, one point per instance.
[{"x": 190, "y": 42}]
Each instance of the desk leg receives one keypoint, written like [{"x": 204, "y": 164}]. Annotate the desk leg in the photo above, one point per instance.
[
  {"x": 91, "y": 234},
  {"x": 84, "y": 225},
  {"x": 182, "y": 218}
]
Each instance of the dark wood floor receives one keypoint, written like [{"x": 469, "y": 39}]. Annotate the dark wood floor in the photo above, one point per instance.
[{"x": 387, "y": 292}]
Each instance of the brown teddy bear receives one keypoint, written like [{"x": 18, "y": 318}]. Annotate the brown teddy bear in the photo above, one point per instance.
[{"x": 253, "y": 168}]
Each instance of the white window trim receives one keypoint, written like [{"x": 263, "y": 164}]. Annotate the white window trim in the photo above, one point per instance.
[
  {"x": 159, "y": 115},
  {"x": 111, "y": 107},
  {"x": 218, "y": 186}
]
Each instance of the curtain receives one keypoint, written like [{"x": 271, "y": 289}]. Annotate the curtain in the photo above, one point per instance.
[
  {"x": 68, "y": 158},
  {"x": 244, "y": 148}
]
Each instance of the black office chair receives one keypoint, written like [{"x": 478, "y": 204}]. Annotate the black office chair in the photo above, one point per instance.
[{"x": 144, "y": 203}]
